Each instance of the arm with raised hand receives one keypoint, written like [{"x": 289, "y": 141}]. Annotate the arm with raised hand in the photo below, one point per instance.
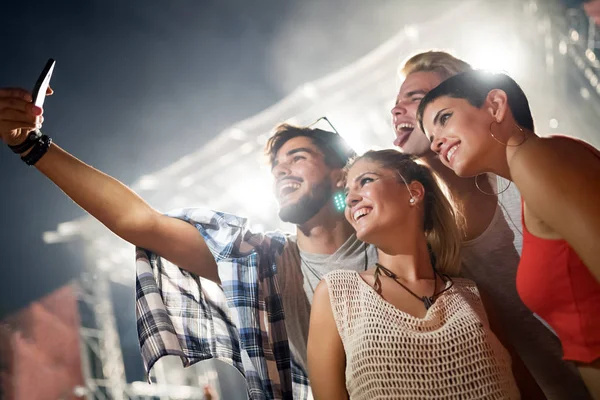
[{"x": 112, "y": 203}]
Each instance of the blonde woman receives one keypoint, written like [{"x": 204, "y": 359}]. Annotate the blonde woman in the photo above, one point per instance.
[{"x": 407, "y": 327}]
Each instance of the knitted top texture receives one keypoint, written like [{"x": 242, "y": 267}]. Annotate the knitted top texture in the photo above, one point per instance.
[{"x": 451, "y": 353}]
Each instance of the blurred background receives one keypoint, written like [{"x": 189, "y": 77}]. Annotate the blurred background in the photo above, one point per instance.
[{"x": 177, "y": 100}]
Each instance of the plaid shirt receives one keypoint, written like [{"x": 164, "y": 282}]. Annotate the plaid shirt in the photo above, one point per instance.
[{"x": 242, "y": 324}]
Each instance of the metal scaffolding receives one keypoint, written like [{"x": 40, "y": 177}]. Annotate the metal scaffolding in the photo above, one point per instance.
[{"x": 103, "y": 367}]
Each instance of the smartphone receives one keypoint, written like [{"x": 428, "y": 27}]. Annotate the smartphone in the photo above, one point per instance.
[{"x": 39, "y": 90}]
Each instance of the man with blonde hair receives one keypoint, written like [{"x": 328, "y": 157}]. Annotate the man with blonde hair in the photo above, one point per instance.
[{"x": 493, "y": 239}]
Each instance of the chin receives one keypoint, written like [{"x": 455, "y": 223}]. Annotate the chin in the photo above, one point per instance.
[
  {"x": 290, "y": 213},
  {"x": 466, "y": 171},
  {"x": 461, "y": 173},
  {"x": 364, "y": 235},
  {"x": 458, "y": 167}
]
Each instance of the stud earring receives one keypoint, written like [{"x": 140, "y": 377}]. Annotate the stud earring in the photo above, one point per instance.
[{"x": 412, "y": 200}]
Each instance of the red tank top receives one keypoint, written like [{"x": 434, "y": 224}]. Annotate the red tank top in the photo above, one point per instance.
[{"x": 555, "y": 284}]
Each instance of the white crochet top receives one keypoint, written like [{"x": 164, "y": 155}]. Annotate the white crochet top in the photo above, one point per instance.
[{"x": 449, "y": 354}]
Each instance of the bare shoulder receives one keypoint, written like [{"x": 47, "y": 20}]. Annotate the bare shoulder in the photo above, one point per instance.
[
  {"x": 552, "y": 168},
  {"x": 565, "y": 147}
]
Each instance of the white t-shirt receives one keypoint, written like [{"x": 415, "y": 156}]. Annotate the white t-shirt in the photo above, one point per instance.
[{"x": 300, "y": 273}]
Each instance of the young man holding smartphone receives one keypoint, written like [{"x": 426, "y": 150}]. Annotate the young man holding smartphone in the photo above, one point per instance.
[{"x": 207, "y": 287}]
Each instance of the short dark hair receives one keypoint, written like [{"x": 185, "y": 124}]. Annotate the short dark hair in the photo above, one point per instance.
[
  {"x": 474, "y": 87},
  {"x": 335, "y": 149}
]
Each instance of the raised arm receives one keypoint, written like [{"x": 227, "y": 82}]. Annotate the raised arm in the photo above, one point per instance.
[
  {"x": 326, "y": 356},
  {"x": 559, "y": 180},
  {"x": 108, "y": 200}
]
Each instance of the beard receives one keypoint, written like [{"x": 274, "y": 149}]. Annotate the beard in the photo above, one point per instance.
[{"x": 308, "y": 205}]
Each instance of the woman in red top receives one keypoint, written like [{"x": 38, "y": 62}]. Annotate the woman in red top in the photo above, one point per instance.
[{"x": 481, "y": 122}]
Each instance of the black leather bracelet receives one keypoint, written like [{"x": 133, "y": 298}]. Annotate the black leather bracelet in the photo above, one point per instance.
[
  {"x": 30, "y": 141},
  {"x": 39, "y": 149}
]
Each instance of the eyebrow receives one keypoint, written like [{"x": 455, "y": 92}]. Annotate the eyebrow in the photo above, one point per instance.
[
  {"x": 411, "y": 94},
  {"x": 436, "y": 119},
  {"x": 294, "y": 151},
  {"x": 414, "y": 92},
  {"x": 358, "y": 178}
]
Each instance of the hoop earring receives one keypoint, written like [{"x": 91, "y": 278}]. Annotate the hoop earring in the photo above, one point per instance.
[
  {"x": 490, "y": 194},
  {"x": 506, "y": 144}
]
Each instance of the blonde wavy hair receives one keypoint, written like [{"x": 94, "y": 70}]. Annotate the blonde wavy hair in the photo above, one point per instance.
[{"x": 442, "y": 63}]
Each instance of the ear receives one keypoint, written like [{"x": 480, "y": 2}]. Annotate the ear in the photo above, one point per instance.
[
  {"x": 417, "y": 191},
  {"x": 338, "y": 176},
  {"x": 497, "y": 104}
]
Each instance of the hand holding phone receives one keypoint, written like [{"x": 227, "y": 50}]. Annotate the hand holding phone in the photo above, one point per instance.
[{"x": 41, "y": 86}]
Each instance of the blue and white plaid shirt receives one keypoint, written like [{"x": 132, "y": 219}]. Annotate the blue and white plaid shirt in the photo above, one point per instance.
[{"x": 242, "y": 324}]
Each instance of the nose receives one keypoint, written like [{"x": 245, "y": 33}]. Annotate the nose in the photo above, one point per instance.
[
  {"x": 398, "y": 109},
  {"x": 436, "y": 144},
  {"x": 280, "y": 170},
  {"x": 352, "y": 198}
]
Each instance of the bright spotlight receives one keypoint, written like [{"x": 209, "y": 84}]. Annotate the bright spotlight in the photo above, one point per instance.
[
  {"x": 351, "y": 130},
  {"x": 257, "y": 191},
  {"x": 493, "y": 54},
  {"x": 147, "y": 182},
  {"x": 412, "y": 32}
]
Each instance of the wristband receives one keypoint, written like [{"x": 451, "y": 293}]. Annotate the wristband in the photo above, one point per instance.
[
  {"x": 39, "y": 149},
  {"x": 32, "y": 138}
]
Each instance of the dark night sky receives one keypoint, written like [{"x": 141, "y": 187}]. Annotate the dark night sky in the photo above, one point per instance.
[{"x": 135, "y": 78}]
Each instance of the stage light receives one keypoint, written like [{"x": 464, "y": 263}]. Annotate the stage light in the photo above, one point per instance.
[
  {"x": 51, "y": 237},
  {"x": 562, "y": 47},
  {"x": 347, "y": 127},
  {"x": 493, "y": 54},
  {"x": 255, "y": 193},
  {"x": 412, "y": 32},
  {"x": 574, "y": 35},
  {"x": 79, "y": 391},
  {"x": 68, "y": 228},
  {"x": 310, "y": 91},
  {"x": 236, "y": 134},
  {"x": 147, "y": 182}
]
